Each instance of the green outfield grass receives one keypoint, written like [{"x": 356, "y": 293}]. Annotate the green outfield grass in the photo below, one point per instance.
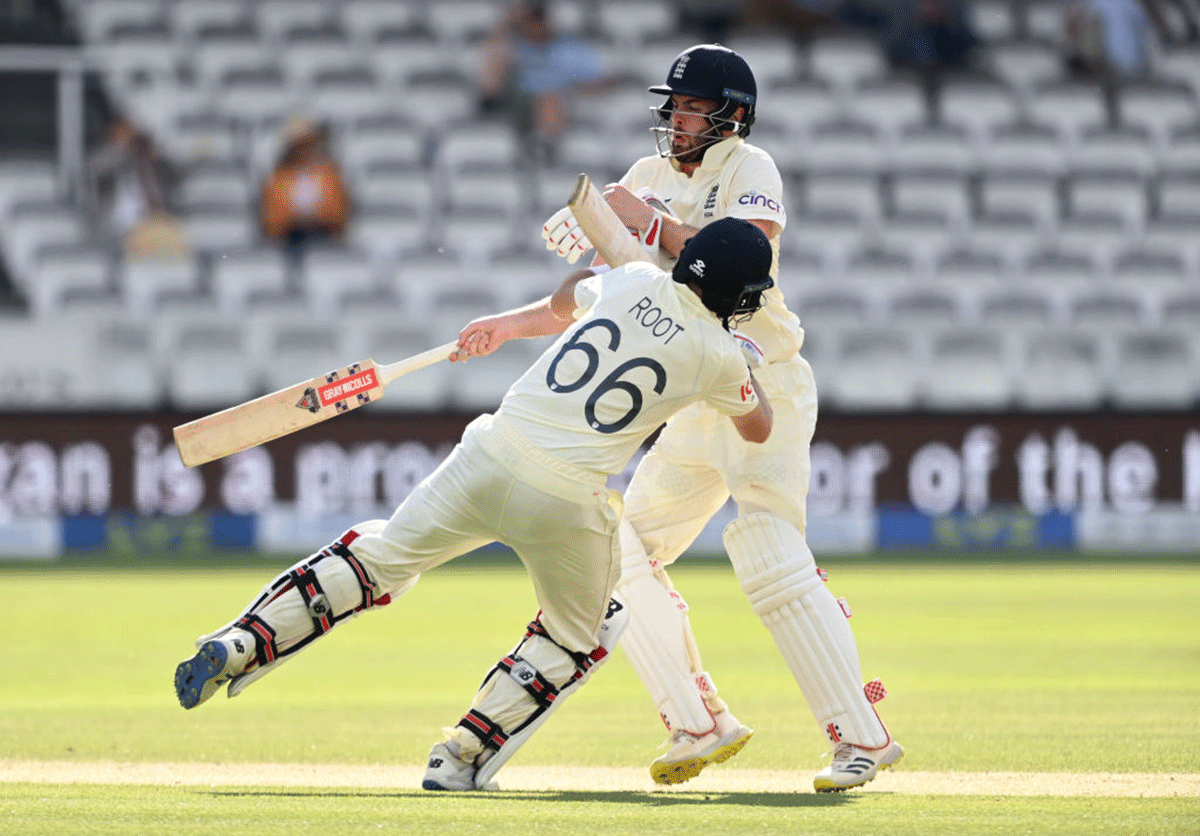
[{"x": 1031, "y": 666}]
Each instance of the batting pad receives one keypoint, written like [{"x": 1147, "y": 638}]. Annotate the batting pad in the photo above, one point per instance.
[
  {"x": 509, "y": 703},
  {"x": 777, "y": 572},
  {"x": 658, "y": 640}
]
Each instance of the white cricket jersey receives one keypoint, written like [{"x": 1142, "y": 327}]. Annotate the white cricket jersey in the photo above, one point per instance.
[
  {"x": 644, "y": 348},
  {"x": 735, "y": 180}
]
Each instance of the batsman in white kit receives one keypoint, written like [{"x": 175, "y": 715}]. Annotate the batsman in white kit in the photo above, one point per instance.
[
  {"x": 637, "y": 345},
  {"x": 704, "y": 170}
]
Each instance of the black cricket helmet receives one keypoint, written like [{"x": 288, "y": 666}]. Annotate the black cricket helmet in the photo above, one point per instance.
[
  {"x": 712, "y": 71},
  {"x": 730, "y": 261}
]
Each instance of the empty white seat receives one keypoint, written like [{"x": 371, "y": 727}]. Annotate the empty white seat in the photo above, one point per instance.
[
  {"x": 259, "y": 100},
  {"x": 220, "y": 230},
  {"x": 306, "y": 59},
  {"x": 832, "y": 233},
  {"x": 968, "y": 369},
  {"x": 877, "y": 369},
  {"x": 1128, "y": 149},
  {"x": 300, "y": 351},
  {"x": 846, "y": 60},
  {"x": 1097, "y": 232},
  {"x": 216, "y": 184},
  {"x": 925, "y": 308},
  {"x": 31, "y": 228},
  {"x": 1175, "y": 232},
  {"x": 1101, "y": 191},
  {"x": 923, "y": 148},
  {"x": 800, "y": 104},
  {"x": 1181, "y": 311},
  {"x": 387, "y": 231},
  {"x": 857, "y": 193},
  {"x": 979, "y": 106},
  {"x": 844, "y": 147},
  {"x": 144, "y": 282},
  {"x": 1024, "y": 149},
  {"x": 26, "y": 181},
  {"x": 943, "y": 193},
  {"x": 1060, "y": 271},
  {"x": 1031, "y": 193},
  {"x": 1150, "y": 271},
  {"x": 1044, "y": 20},
  {"x": 967, "y": 267},
  {"x": 213, "y": 58},
  {"x": 490, "y": 145},
  {"x": 188, "y": 19},
  {"x": 1180, "y": 63},
  {"x": 1017, "y": 309},
  {"x": 508, "y": 191},
  {"x": 924, "y": 235},
  {"x": 425, "y": 390},
  {"x": 476, "y": 230},
  {"x": 385, "y": 185},
  {"x": 1069, "y": 107},
  {"x": 992, "y": 20},
  {"x": 127, "y": 371},
  {"x": 774, "y": 57},
  {"x": 419, "y": 277},
  {"x": 391, "y": 145},
  {"x": 480, "y": 384},
  {"x": 888, "y": 104},
  {"x": 1109, "y": 308},
  {"x": 518, "y": 278},
  {"x": 100, "y": 17},
  {"x": 210, "y": 369},
  {"x": 1180, "y": 196},
  {"x": 239, "y": 278},
  {"x": 276, "y": 17},
  {"x": 1025, "y": 63},
  {"x": 1013, "y": 233},
  {"x": 61, "y": 274},
  {"x": 1060, "y": 370},
  {"x": 881, "y": 271},
  {"x": 833, "y": 310},
  {"x": 349, "y": 97},
  {"x": 1155, "y": 370},
  {"x": 634, "y": 22},
  {"x": 1159, "y": 108},
  {"x": 329, "y": 276},
  {"x": 364, "y": 20}
]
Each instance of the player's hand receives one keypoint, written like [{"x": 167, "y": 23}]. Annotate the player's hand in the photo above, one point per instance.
[
  {"x": 564, "y": 237},
  {"x": 751, "y": 350},
  {"x": 479, "y": 338},
  {"x": 634, "y": 212}
]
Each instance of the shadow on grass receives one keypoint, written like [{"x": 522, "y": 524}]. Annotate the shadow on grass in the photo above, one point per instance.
[{"x": 650, "y": 799}]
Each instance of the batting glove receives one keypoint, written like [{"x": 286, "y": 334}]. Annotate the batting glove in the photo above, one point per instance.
[
  {"x": 751, "y": 350},
  {"x": 564, "y": 237}
]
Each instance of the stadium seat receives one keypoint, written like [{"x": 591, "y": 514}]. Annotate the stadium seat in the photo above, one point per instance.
[
  {"x": 275, "y": 18},
  {"x": 634, "y": 22},
  {"x": 1116, "y": 149},
  {"x": 845, "y": 61},
  {"x": 963, "y": 266},
  {"x": 343, "y": 96},
  {"x": 1024, "y": 64},
  {"x": 61, "y": 274},
  {"x": 1060, "y": 271},
  {"x": 1181, "y": 311},
  {"x": 1012, "y": 233},
  {"x": 1097, "y": 232},
  {"x": 238, "y": 279},
  {"x": 217, "y": 54},
  {"x": 210, "y": 368},
  {"x": 521, "y": 277},
  {"x": 968, "y": 368},
  {"x": 943, "y": 193},
  {"x": 381, "y": 142},
  {"x": 386, "y": 231},
  {"x": 189, "y": 19},
  {"x": 881, "y": 271},
  {"x": 458, "y": 22},
  {"x": 255, "y": 99},
  {"x": 774, "y": 57},
  {"x": 925, "y": 308},
  {"x": 365, "y": 20},
  {"x": 837, "y": 192},
  {"x": 480, "y": 384},
  {"x": 217, "y": 182},
  {"x": 308, "y": 56},
  {"x": 98, "y": 18},
  {"x": 1017, "y": 309},
  {"x": 922, "y": 148},
  {"x": 426, "y": 390},
  {"x": 220, "y": 229},
  {"x": 34, "y": 226},
  {"x": 1060, "y": 370},
  {"x": 1180, "y": 195},
  {"x": 831, "y": 233},
  {"x": 1154, "y": 272},
  {"x": 924, "y": 235},
  {"x": 842, "y": 146},
  {"x": 1111, "y": 308},
  {"x": 1175, "y": 232},
  {"x": 476, "y": 230},
  {"x": 1069, "y": 107},
  {"x": 832, "y": 310},
  {"x": 877, "y": 369},
  {"x": 1031, "y": 193},
  {"x": 1158, "y": 107},
  {"x": 1155, "y": 370},
  {"x": 1023, "y": 148},
  {"x": 127, "y": 373},
  {"x": 1044, "y": 20},
  {"x": 800, "y": 104},
  {"x": 888, "y": 104},
  {"x": 419, "y": 276},
  {"x": 978, "y": 105},
  {"x": 300, "y": 351},
  {"x": 1101, "y": 191},
  {"x": 328, "y": 277},
  {"x": 144, "y": 283}
]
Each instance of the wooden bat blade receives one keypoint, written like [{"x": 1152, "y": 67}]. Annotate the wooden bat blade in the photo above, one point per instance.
[
  {"x": 612, "y": 240},
  {"x": 293, "y": 408}
]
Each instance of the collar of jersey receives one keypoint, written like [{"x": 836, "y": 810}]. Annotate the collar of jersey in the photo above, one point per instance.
[{"x": 716, "y": 155}]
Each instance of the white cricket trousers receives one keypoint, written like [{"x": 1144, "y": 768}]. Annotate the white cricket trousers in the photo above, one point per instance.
[
  {"x": 699, "y": 461},
  {"x": 495, "y": 486}
]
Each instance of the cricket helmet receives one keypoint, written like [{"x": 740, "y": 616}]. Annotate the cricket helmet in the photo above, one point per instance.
[
  {"x": 712, "y": 71},
  {"x": 730, "y": 261}
]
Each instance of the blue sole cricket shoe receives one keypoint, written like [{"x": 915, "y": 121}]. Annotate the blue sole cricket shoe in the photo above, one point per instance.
[{"x": 200, "y": 677}]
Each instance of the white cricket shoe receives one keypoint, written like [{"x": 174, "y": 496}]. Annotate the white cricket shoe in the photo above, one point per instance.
[
  {"x": 689, "y": 754},
  {"x": 446, "y": 771},
  {"x": 854, "y": 766},
  {"x": 218, "y": 660}
]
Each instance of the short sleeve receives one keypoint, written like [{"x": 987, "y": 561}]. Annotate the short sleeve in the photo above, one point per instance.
[
  {"x": 732, "y": 393},
  {"x": 755, "y": 191}
]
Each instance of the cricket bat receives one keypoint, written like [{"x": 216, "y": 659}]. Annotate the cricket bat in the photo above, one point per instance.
[
  {"x": 611, "y": 238},
  {"x": 294, "y": 408}
]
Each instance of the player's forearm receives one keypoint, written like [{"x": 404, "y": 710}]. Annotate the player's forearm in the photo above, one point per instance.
[{"x": 755, "y": 425}]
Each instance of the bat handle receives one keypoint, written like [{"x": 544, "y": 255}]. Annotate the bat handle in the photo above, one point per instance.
[{"x": 390, "y": 371}]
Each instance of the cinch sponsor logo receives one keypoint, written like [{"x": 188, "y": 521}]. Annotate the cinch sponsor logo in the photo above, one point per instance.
[
  {"x": 341, "y": 389},
  {"x": 756, "y": 199}
]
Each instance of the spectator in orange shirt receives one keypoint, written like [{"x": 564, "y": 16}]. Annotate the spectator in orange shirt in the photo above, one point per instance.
[{"x": 304, "y": 199}]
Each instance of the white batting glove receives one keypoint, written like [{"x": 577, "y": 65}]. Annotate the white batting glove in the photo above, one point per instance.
[
  {"x": 564, "y": 237},
  {"x": 751, "y": 350}
]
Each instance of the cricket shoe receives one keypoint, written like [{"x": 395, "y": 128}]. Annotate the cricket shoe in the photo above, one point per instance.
[
  {"x": 689, "y": 754},
  {"x": 217, "y": 661},
  {"x": 854, "y": 766},
  {"x": 447, "y": 771}
]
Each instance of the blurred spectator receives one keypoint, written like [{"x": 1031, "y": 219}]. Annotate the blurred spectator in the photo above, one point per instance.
[
  {"x": 801, "y": 18},
  {"x": 304, "y": 199},
  {"x": 131, "y": 188},
  {"x": 531, "y": 72},
  {"x": 1112, "y": 37},
  {"x": 929, "y": 34}
]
